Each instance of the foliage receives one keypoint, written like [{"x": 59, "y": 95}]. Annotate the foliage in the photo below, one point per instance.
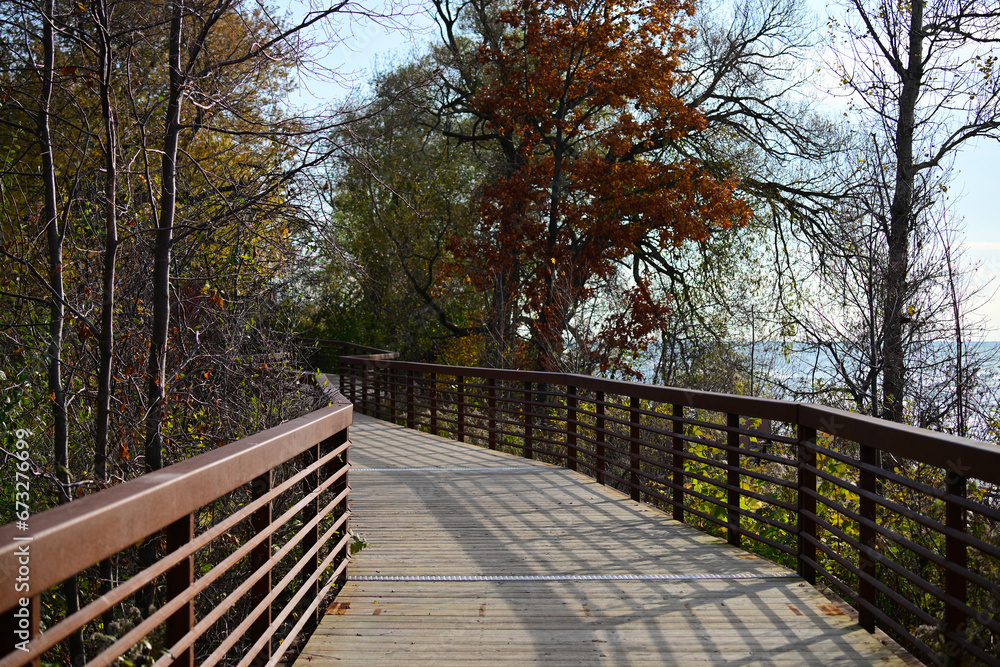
[
  {"x": 397, "y": 192},
  {"x": 98, "y": 193},
  {"x": 577, "y": 97}
]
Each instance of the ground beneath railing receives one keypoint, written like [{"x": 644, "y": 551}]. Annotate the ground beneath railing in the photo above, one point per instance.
[{"x": 479, "y": 557}]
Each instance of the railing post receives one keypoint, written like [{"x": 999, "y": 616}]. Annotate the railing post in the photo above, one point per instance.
[
  {"x": 179, "y": 579},
  {"x": 733, "y": 479},
  {"x": 311, "y": 536},
  {"x": 364, "y": 382},
  {"x": 460, "y": 406},
  {"x": 410, "y": 417},
  {"x": 491, "y": 407},
  {"x": 572, "y": 454},
  {"x": 260, "y": 521},
  {"x": 432, "y": 386},
  {"x": 14, "y": 632},
  {"x": 677, "y": 426},
  {"x": 599, "y": 436},
  {"x": 393, "y": 378},
  {"x": 805, "y": 488},
  {"x": 337, "y": 488},
  {"x": 340, "y": 376},
  {"x": 957, "y": 553},
  {"x": 868, "y": 510},
  {"x": 634, "y": 418},
  {"x": 363, "y": 373},
  {"x": 528, "y": 451},
  {"x": 354, "y": 389},
  {"x": 377, "y": 411}
]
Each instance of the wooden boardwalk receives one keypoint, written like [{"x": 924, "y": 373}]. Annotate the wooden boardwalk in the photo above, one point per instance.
[{"x": 477, "y": 557}]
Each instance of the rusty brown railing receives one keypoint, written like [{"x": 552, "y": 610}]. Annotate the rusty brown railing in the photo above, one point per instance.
[
  {"x": 224, "y": 524},
  {"x": 903, "y": 523}
]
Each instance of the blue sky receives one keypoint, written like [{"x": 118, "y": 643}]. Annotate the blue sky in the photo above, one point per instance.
[{"x": 977, "y": 188}]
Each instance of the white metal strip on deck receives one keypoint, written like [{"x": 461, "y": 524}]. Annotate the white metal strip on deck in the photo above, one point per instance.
[
  {"x": 574, "y": 577},
  {"x": 485, "y": 468}
]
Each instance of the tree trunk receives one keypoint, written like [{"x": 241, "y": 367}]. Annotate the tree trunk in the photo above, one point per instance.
[
  {"x": 57, "y": 311},
  {"x": 107, "y": 334},
  {"x": 156, "y": 369},
  {"x": 501, "y": 322},
  {"x": 901, "y": 220}
]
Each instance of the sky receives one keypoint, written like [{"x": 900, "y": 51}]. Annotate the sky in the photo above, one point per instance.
[
  {"x": 977, "y": 188},
  {"x": 974, "y": 193}
]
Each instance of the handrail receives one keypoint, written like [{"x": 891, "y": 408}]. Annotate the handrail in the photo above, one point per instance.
[
  {"x": 901, "y": 522},
  {"x": 308, "y": 455}
]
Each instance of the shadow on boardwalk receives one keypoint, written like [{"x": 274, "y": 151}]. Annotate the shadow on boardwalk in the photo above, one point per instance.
[{"x": 478, "y": 557}]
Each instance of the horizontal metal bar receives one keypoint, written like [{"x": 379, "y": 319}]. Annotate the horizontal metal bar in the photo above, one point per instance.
[
  {"x": 573, "y": 577},
  {"x": 154, "y": 620},
  {"x": 949, "y": 452},
  {"x": 483, "y": 469},
  {"x": 68, "y": 625},
  {"x": 74, "y": 536},
  {"x": 305, "y": 616}
]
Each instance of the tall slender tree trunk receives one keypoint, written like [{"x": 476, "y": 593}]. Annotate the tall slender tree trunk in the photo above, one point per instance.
[
  {"x": 105, "y": 379},
  {"x": 501, "y": 324},
  {"x": 57, "y": 311},
  {"x": 901, "y": 220},
  {"x": 156, "y": 366},
  {"x": 54, "y": 241},
  {"x": 156, "y": 370},
  {"x": 548, "y": 328},
  {"x": 961, "y": 426},
  {"x": 107, "y": 334}
]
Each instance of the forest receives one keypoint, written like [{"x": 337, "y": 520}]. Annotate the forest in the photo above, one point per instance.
[{"x": 682, "y": 192}]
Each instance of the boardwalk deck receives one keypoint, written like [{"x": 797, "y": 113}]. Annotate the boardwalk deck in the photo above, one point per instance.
[{"x": 478, "y": 557}]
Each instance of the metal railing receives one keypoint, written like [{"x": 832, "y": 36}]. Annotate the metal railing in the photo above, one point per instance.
[
  {"x": 246, "y": 540},
  {"x": 903, "y": 523}
]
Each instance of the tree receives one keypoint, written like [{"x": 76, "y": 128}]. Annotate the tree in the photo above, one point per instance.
[
  {"x": 747, "y": 72},
  {"x": 577, "y": 96},
  {"x": 923, "y": 79},
  {"x": 82, "y": 86},
  {"x": 397, "y": 192},
  {"x": 207, "y": 67}
]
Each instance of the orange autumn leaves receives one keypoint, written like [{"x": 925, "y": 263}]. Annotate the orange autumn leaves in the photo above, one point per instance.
[{"x": 580, "y": 96}]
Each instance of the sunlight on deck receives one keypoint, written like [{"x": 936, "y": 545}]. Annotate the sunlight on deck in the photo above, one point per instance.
[{"x": 479, "y": 557}]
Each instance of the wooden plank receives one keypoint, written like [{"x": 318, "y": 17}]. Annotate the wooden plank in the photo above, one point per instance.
[{"x": 476, "y": 512}]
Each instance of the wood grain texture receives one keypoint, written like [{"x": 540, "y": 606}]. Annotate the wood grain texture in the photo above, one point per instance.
[{"x": 502, "y": 516}]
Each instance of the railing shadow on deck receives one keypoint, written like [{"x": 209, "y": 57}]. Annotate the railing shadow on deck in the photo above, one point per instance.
[
  {"x": 902, "y": 523},
  {"x": 223, "y": 524}
]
